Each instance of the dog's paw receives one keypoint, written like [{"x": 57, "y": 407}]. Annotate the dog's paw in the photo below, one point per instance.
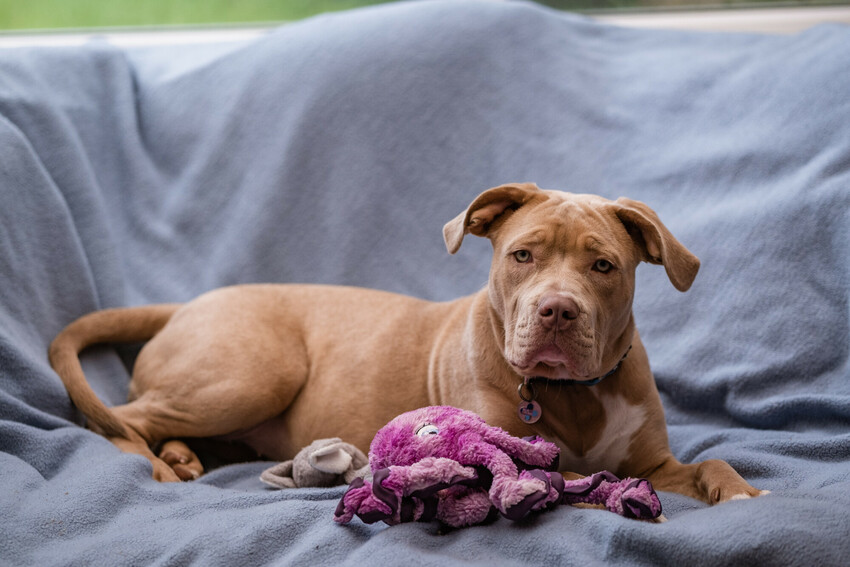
[
  {"x": 747, "y": 496},
  {"x": 718, "y": 495},
  {"x": 162, "y": 472},
  {"x": 181, "y": 459},
  {"x": 719, "y": 482}
]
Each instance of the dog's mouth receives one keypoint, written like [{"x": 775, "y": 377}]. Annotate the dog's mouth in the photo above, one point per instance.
[{"x": 551, "y": 362}]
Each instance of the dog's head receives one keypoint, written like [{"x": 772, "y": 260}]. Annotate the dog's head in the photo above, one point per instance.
[{"x": 563, "y": 273}]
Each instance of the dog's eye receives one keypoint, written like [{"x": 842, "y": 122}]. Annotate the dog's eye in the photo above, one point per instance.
[
  {"x": 603, "y": 266},
  {"x": 522, "y": 256},
  {"x": 427, "y": 429}
]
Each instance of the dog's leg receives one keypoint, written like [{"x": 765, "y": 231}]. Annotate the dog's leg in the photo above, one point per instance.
[
  {"x": 211, "y": 372},
  {"x": 154, "y": 419},
  {"x": 162, "y": 471},
  {"x": 712, "y": 481}
]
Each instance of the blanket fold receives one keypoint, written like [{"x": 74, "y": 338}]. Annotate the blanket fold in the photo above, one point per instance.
[{"x": 333, "y": 150}]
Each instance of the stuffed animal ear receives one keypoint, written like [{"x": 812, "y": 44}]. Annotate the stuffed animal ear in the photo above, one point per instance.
[
  {"x": 341, "y": 458},
  {"x": 333, "y": 459},
  {"x": 656, "y": 243},
  {"x": 479, "y": 217},
  {"x": 279, "y": 476}
]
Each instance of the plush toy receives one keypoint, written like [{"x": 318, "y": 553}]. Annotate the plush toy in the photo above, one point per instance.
[
  {"x": 447, "y": 464},
  {"x": 326, "y": 462}
]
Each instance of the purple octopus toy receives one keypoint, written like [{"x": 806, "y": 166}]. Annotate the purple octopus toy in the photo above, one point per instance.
[{"x": 447, "y": 464}]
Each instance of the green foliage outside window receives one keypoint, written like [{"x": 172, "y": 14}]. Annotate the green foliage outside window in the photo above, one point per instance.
[{"x": 51, "y": 14}]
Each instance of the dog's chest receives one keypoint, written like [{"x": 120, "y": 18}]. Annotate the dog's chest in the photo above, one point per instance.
[{"x": 613, "y": 445}]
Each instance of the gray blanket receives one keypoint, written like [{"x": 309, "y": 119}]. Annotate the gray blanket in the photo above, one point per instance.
[{"x": 333, "y": 151}]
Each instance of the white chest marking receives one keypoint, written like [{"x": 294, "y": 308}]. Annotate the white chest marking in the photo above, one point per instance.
[{"x": 622, "y": 421}]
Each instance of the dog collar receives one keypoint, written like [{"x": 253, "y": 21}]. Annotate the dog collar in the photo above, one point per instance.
[
  {"x": 529, "y": 410},
  {"x": 598, "y": 379}
]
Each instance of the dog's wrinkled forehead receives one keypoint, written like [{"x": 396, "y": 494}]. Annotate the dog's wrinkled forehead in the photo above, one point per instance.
[
  {"x": 574, "y": 209},
  {"x": 564, "y": 221},
  {"x": 633, "y": 223}
]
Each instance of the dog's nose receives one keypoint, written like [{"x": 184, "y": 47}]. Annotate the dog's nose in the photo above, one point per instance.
[{"x": 557, "y": 311}]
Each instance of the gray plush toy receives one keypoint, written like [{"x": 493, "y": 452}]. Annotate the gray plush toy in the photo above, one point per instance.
[{"x": 325, "y": 462}]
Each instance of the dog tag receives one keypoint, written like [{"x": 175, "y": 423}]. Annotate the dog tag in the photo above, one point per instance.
[{"x": 529, "y": 411}]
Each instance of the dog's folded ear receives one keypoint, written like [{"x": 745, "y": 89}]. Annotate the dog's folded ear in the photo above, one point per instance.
[
  {"x": 656, "y": 243},
  {"x": 488, "y": 207}
]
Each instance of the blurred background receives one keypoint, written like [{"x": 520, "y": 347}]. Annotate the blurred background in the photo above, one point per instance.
[{"x": 29, "y": 15}]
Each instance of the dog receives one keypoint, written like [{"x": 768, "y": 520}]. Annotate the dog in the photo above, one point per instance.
[{"x": 549, "y": 347}]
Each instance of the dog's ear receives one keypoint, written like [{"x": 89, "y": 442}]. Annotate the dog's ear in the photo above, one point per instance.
[
  {"x": 485, "y": 209},
  {"x": 656, "y": 243}
]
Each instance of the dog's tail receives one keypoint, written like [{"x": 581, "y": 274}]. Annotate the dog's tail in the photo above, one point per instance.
[{"x": 126, "y": 325}]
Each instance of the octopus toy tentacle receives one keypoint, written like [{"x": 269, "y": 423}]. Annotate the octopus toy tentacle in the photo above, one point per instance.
[
  {"x": 530, "y": 450},
  {"x": 426, "y": 476},
  {"x": 359, "y": 500},
  {"x": 509, "y": 489},
  {"x": 399, "y": 493},
  {"x": 629, "y": 497},
  {"x": 549, "y": 496},
  {"x": 464, "y": 506}
]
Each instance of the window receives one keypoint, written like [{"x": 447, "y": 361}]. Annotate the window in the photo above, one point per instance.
[{"x": 18, "y": 16}]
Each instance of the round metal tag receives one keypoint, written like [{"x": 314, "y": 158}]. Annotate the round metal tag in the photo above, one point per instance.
[{"x": 529, "y": 411}]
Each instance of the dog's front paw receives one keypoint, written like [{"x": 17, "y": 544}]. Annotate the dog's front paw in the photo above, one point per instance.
[
  {"x": 747, "y": 495},
  {"x": 719, "y": 483}
]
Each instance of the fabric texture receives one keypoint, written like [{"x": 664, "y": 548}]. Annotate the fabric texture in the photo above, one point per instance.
[{"x": 333, "y": 150}]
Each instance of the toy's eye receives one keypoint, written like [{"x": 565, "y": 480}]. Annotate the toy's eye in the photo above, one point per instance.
[
  {"x": 522, "y": 256},
  {"x": 603, "y": 266},
  {"x": 427, "y": 429}
]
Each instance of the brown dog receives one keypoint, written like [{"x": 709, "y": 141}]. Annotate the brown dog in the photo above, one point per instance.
[{"x": 549, "y": 347}]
